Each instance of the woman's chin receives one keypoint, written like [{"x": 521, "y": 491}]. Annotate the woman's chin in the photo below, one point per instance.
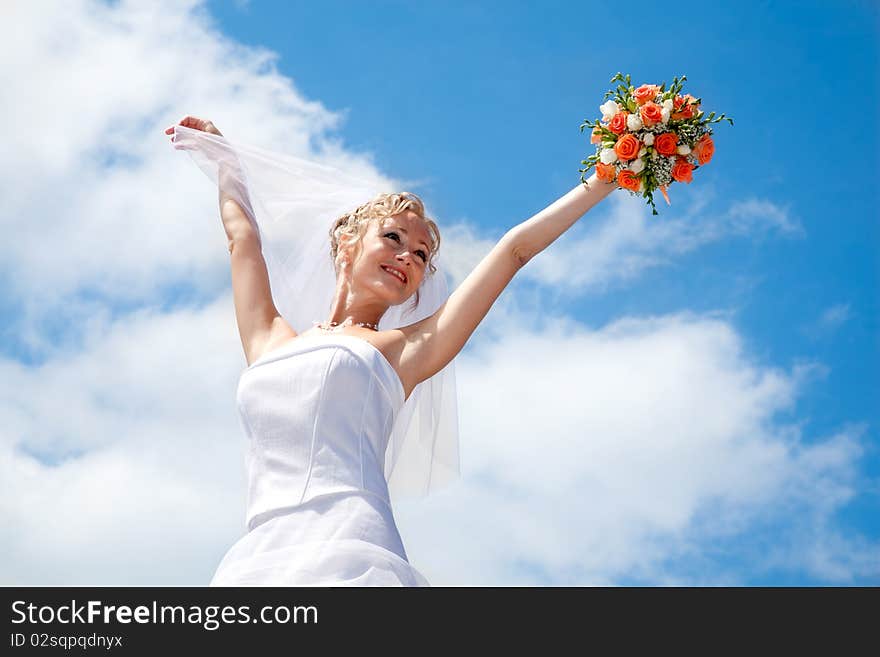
[
  {"x": 398, "y": 289},
  {"x": 394, "y": 297}
]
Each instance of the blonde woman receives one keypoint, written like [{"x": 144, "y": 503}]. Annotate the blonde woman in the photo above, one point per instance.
[{"x": 320, "y": 404}]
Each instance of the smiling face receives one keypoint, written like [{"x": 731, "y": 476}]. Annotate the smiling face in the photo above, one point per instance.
[{"x": 391, "y": 258}]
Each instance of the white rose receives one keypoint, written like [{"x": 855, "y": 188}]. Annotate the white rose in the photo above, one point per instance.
[
  {"x": 637, "y": 165},
  {"x": 665, "y": 114},
  {"x": 649, "y": 139},
  {"x": 608, "y": 156},
  {"x": 667, "y": 104},
  {"x": 642, "y": 151},
  {"x": 609, "y": 109},
  {"x": 633, "y": 122},
  {"x": 684, "y": 149}
]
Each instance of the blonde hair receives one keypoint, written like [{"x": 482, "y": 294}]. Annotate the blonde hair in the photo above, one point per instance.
[{"x": 381, "y": 207}]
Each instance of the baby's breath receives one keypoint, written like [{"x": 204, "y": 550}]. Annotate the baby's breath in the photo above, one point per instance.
[
  {"x": 661, "y": 169},
  {"x": 688, "y": 133}
]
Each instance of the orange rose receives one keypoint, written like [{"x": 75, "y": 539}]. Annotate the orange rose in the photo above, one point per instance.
[
  {"x": 596, "y": 137},
  {"x": 605, "y": 172},
  {"x": 684, "y": 107},
  {"x": 704, "y": 149},
  {"x": 627, "y": 147},
  {"x": 628, "y": 180},
  {"x": 650, "y": 113},
  {"x": 682, "y": 170},
  {"x": 618, "y": 123},
  {"x": 666, "y": 144},
  {"x": 646, "y": 93}
]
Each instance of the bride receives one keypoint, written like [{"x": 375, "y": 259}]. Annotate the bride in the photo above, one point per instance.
[{"x": 320, "y": 404}]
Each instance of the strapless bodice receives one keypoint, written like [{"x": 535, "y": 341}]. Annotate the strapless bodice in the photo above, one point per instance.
[{"x": 318, "y": 413}]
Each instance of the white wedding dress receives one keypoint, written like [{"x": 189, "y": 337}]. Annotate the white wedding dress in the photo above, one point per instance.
[{"x": 318, "y": 412}]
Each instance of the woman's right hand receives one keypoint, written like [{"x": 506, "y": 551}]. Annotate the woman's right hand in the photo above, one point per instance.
[{"x": 196, "y": 124}]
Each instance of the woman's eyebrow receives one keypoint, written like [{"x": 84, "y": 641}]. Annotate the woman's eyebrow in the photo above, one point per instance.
[{"x": 403, "y": 230}]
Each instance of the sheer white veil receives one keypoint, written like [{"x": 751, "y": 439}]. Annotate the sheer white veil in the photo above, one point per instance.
[{"x": 293, "y": 203}]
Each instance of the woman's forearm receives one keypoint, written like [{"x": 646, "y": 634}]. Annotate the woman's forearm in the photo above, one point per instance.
[
  {"x": 231, "y": 185},
  {"x": 235, "y": 203},
  {"x": 537, "y": 233}
]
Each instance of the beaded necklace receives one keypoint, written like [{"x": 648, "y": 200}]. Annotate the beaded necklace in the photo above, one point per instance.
[{"x": 335, "y": 326}]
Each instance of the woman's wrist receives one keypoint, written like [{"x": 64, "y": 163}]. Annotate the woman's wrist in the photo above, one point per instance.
[{"x": 596, "y": 185}]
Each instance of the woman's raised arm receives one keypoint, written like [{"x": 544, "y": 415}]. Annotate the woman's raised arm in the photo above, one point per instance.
[
  {"x": 433, "y": 342},
  {"x": 260, "y": 325},
  {"x": 537, "y": 233}
]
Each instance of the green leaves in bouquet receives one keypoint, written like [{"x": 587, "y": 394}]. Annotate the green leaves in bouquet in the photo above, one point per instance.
[
  {"x": 650, "y": 196},
  {"x": 620, "y": 77},
  {"x": 709, "y": 119},
  {"x": 674, "y": 88},
  {"x": 623, "y": 94},
  {"x": 589, "y": 163},
  {"x": 650, "y": 184},
  {"x": 608, "y": 137}
]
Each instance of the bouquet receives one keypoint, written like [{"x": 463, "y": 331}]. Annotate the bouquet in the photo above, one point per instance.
[{"x": 649, "y": 137}]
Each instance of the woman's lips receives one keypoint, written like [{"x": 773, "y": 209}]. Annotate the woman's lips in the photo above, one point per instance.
[{"x": 390, "y": 271}]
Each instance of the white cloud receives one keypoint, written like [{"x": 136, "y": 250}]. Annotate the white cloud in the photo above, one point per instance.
[
  {"x": 831, "y": 319},
  {"x": 626, "y": 453},
  {"x": 120, "y": 458},
  {"x": 619, "y": 245},
  {"x": 122, "y": 463},
  {"x": 835, "y": 316}
]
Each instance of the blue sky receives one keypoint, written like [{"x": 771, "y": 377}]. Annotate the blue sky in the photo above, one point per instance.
[{"x": 765, "y": 267}]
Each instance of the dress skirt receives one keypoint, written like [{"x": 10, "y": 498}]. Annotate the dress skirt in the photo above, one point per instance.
[{"x": 339, "y": 539}]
